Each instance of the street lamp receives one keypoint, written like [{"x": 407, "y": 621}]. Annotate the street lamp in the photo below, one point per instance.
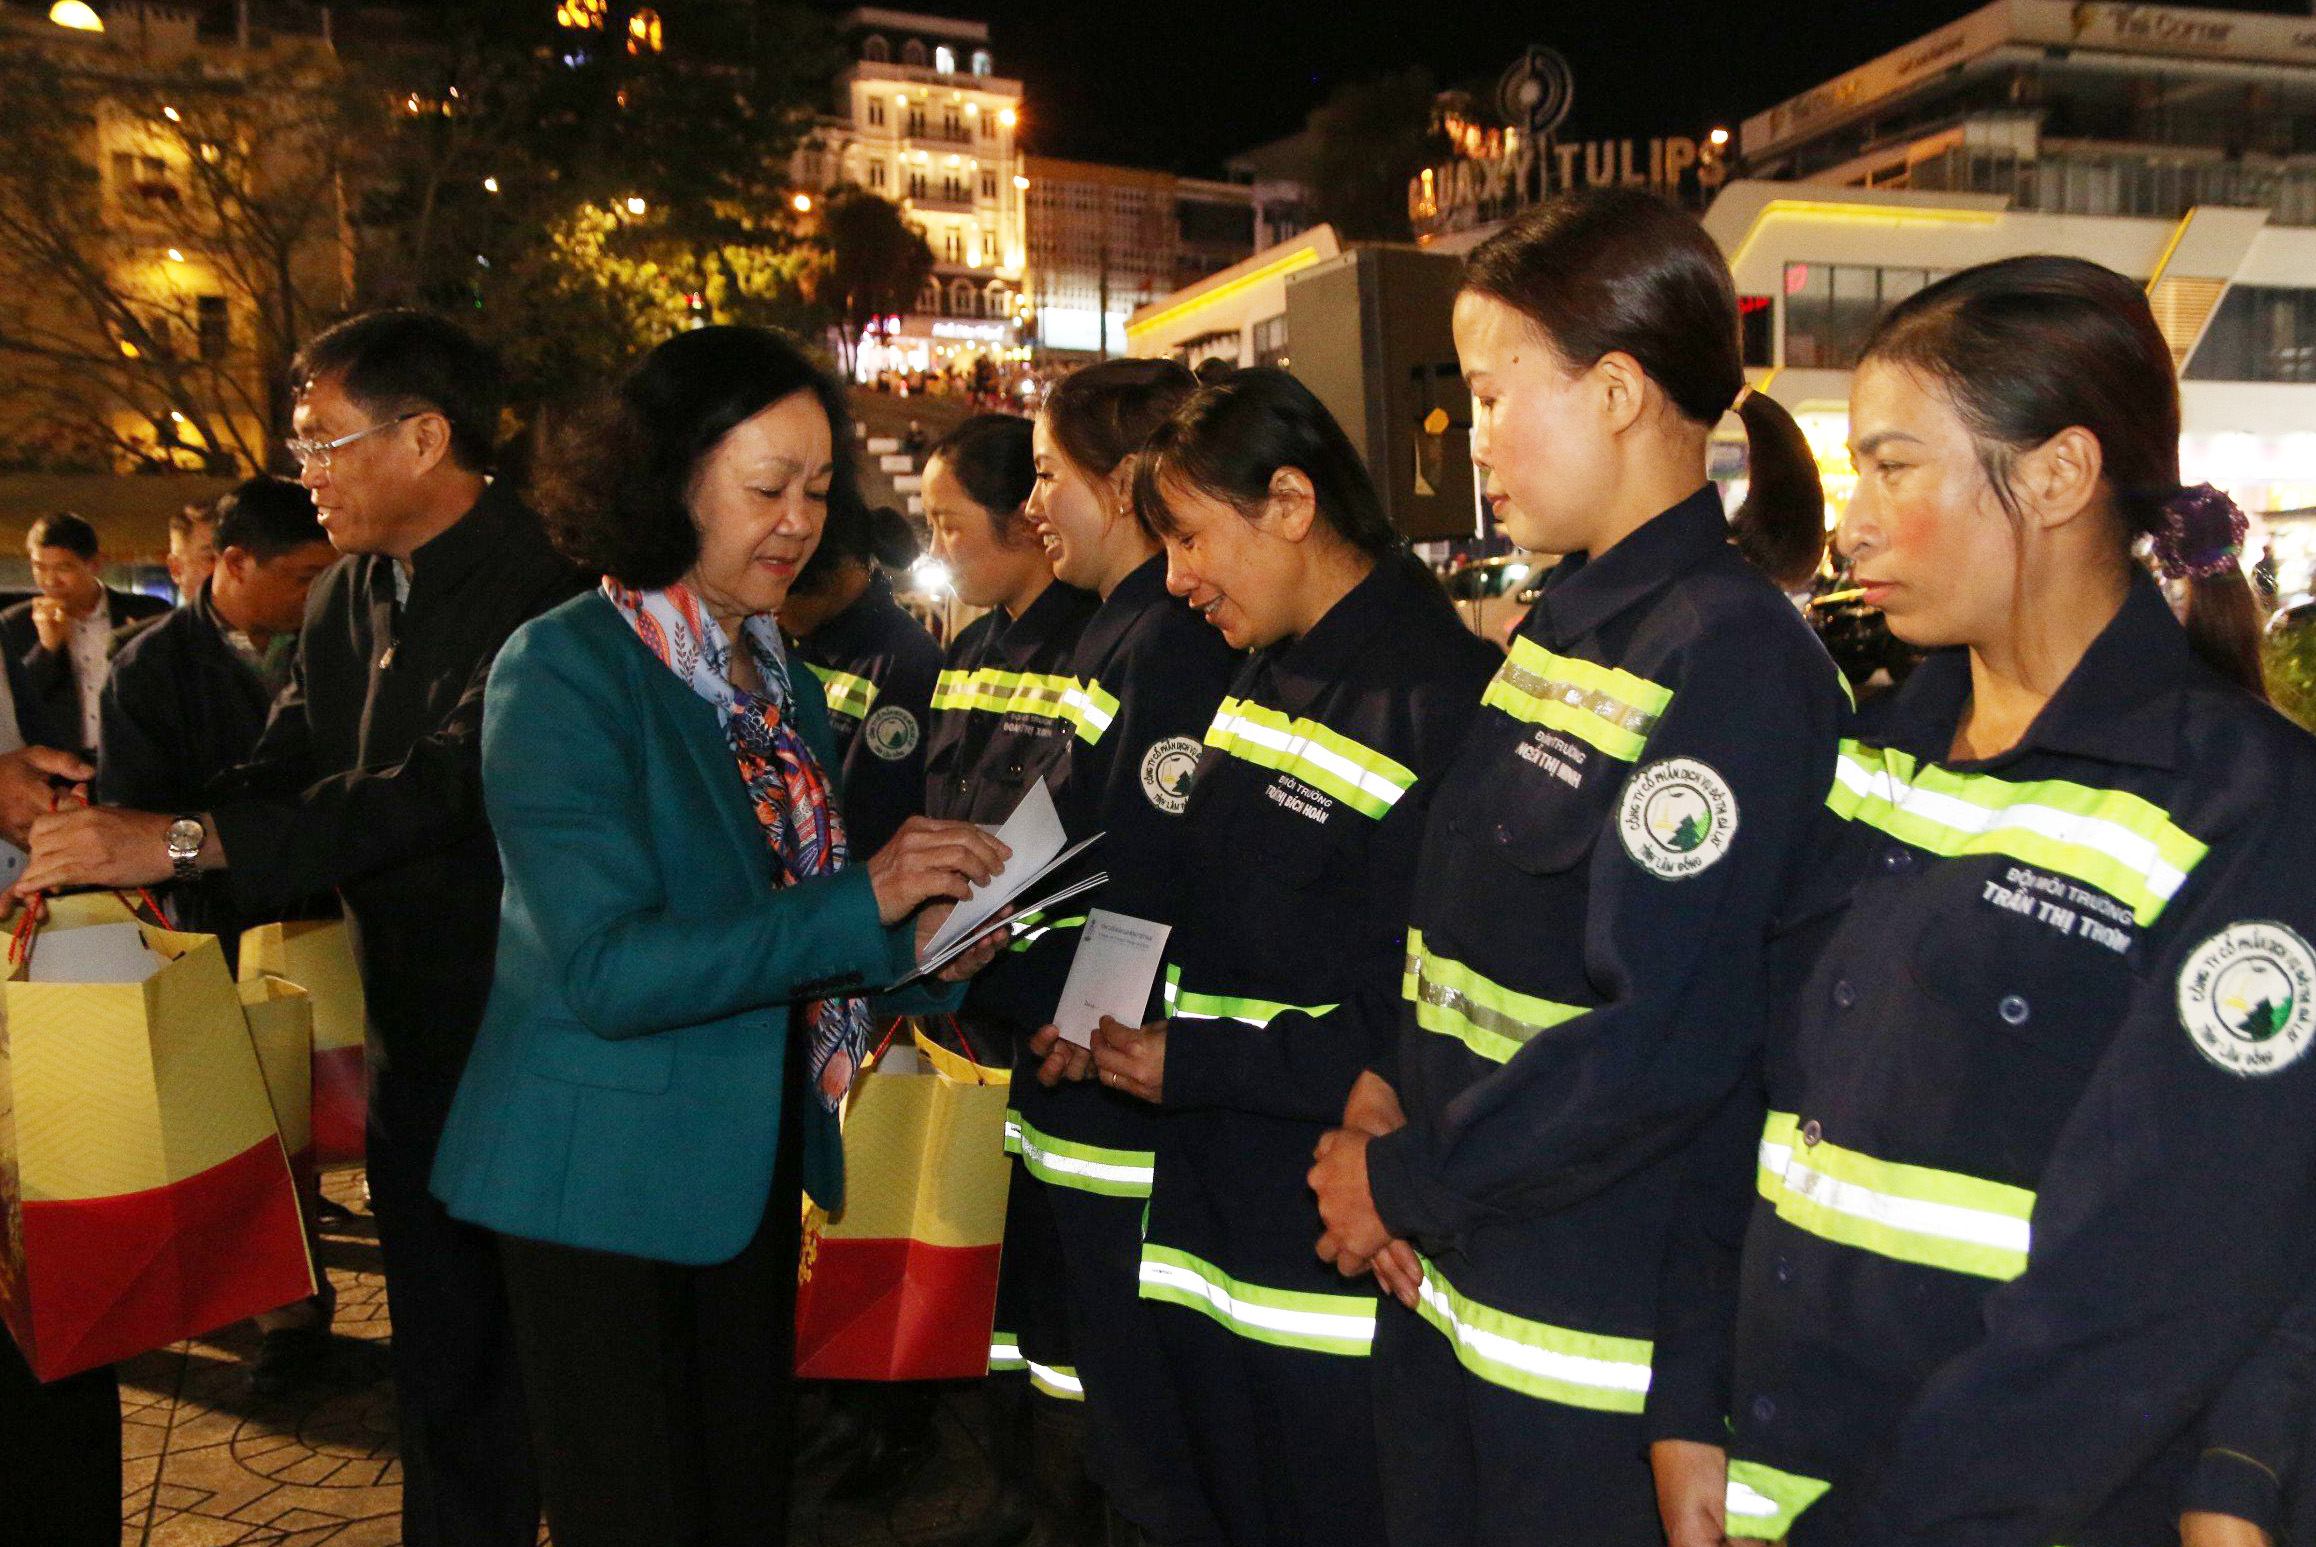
[
  {"x": 635, "y": 205},
  {"x": 1719, "y": 136},
  {"x": 490, "y": 185},
  {"x": 803, "y": 203},
  {"x": 77, "y": 15},
  {"x": 1007, "y": 118}
]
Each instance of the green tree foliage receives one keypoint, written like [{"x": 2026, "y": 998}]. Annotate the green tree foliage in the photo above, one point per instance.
[{"x": 878, "y": 262}]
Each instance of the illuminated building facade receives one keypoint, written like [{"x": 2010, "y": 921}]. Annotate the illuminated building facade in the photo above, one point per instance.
[
  {"x": 922, "y": 118},
  {"x": 2175, "y": 146}
]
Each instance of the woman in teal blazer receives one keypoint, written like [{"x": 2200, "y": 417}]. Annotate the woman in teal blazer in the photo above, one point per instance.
[{"x": 683, "y": 949}]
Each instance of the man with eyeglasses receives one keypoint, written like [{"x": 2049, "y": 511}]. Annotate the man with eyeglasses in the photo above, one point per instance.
[{"x": 368, "y": 780}]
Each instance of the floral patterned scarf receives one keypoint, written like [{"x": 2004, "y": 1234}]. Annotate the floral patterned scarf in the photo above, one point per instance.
[{"x": 786, "y": 787}]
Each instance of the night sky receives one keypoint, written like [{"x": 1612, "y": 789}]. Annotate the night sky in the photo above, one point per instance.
[{"x": 1184, "y": 84}]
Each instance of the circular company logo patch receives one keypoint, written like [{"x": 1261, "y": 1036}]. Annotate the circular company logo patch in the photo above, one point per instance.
[
  {"x": 892, "y": 733},
  {"x": 1677, "y": 817},
  {"x": 2248, "y": 997},
  {"x": 1166, "y": 771}
]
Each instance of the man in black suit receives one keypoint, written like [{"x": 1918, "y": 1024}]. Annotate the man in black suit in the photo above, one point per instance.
[
  {"x": 61, "y": 640},
  {"x": 368, "y": 779}
]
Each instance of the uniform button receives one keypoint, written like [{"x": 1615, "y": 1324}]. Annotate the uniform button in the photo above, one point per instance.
[
  {"x": 1764, "y": 1410},
  {"x": 1503, "y": 833},
  {"x": 1014, "y": 769},
  {"x": 1845, "y": 993},
  {"x": 1898, "y": 859},
  {"x": 1785, "y": 1270},
  {"x": 2014, "y": 1010},
  {"x": 1812, "y": 1132}
]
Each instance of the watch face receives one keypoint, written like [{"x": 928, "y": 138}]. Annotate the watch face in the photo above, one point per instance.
[{"x": 185, "y": 836}]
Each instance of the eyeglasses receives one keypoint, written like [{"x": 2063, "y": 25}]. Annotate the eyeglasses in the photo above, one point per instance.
[{"x": 317, "y": 453}]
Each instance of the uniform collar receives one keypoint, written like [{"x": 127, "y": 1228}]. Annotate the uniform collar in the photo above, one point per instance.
[
  {"x": 472, "y": 541},
  {"x": 854, "y": 632},
  {"x": 1327, "y": 654},
  {"x": 1143, "y": 589},
  {"x": 1058, "y": 607},
  {"x": 1582, "y": 593},
  {"x": 2121, "y": 704}
]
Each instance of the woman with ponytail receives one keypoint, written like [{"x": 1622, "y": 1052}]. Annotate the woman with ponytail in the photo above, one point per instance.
[
  {"x": 1584, "y": 982},
  {"x": 875, "y": 662},
  {"x": 2035, "y": 1175}
]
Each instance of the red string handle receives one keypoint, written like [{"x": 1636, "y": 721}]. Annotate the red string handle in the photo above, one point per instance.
[{"x": 28, "y": 919}]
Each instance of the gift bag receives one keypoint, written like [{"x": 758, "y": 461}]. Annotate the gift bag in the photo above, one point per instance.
[
  {"x": 281, "y": 1025},
  {"x": 144, "y": 1192},
  {"x": 903, "y": 1284},
  {"x": 318, "y": 956}
]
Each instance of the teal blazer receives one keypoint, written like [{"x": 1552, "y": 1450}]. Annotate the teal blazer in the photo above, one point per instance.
[{"x": 624, "y": 1092}]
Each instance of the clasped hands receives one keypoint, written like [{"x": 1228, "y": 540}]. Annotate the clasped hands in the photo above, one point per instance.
[{"x": 1356, "y": 1240}]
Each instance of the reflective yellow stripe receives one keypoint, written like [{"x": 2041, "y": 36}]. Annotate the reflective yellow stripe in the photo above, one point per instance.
[
  {"x": 1558, "y": 1364},
  {"x": 847, "y": 693},
  {"x": 1057, "y": 1380},
  {"x": 1763, "y": 1502},
  {"x": 1938, "y": 1219},
  {"x": 1087, "y": 707},
  {"x": 1184, "y": 1006},
  {"x": 1090, "y": 1168},
  {"x": 1005, "y": 1353},
  {"x": 1325, "y": 759},
  {"x": 1285, "y": 1318},
  {"x": 1604, "y": 705},
  {"x": 1453, "y": 1000},
  {"x": 2118, "y": 842}
]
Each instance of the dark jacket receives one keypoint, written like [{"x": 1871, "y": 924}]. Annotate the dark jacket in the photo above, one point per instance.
[
  {"x": 368, "y": 778},
  {"x": 47, "y": 697},
  {"x": 180, "y": 708},
  {"x": 878, "y": 667}
]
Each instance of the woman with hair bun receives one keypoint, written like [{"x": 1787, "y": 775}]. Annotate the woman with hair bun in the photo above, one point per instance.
[
  {"x": 876, "y": 664},
  {"x": 1142, "y": 689},
  {"x": 2036, "y": 1173},
  {"x": 1306, "y": 804},
  {"x": 1585, "y": 977}
]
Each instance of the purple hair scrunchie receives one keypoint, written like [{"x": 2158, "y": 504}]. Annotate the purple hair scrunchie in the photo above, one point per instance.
[{"x": 2202, "y": 534}]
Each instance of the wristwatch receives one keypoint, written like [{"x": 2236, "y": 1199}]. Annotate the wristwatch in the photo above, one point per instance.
[{"x": 185, "y": 837}]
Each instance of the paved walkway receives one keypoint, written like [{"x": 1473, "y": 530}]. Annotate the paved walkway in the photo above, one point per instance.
[{"x": 207, "y": 1463}]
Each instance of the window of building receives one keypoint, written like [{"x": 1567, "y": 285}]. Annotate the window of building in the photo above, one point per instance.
[
  {"x": 916, "y": 185},
  {"x": 1270, "y": 341},
  {"x": 945, "y": 59},
  {"x": 877, "y": 172},
  {"x": 962, "y": 296},
  {"x": 982, "y": 63},
  {"x": 876, "y": 112},
  {"x": 988, "y": 184},
  {"x": 913, "y": 52},
  {"x": 1757, "y": 330},
  {"x": 215, "y": 322},
  {"x": 1831, "y": 308},
  {"x": 929, "y": 300},
  {"x": 989, "y": 126},
  {"x": 876, "y": 50},
  {"x": 954, "y": 245},
  {"x": 143, "y": 177},
  {"x": 916, "y": 120},
  {"x": 2259, "y": 333},
  {"x": 952, "y": 125}
]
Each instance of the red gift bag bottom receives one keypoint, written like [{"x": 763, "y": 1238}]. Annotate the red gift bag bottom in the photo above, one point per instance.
[
  {"x": 115, "y": 1277},
  {"x": 896, "y": 1310},
  {"x": 341, "y": 1105}
]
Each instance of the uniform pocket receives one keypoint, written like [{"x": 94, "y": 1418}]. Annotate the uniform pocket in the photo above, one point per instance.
[{"x": 2025, "y": 981}]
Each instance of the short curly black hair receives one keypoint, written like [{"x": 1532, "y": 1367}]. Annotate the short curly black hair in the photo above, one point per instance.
[{"x": 614, "y": 477}]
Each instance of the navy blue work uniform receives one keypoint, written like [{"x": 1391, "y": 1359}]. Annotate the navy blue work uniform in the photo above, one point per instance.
[
  {"x": 2258, "y": 1461},
  {"x": 1585, "y": 987},
  {"x": 877, "y": 666},
  {"x": 1148, "y": 677},
  {"x": 997, "y": 727},
  {"x": 2038, "y": 1172},
  {"x": 1306, "y": 817}
]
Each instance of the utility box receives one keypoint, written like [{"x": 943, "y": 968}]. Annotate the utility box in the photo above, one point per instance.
[{"x": 1369, "y": 333}]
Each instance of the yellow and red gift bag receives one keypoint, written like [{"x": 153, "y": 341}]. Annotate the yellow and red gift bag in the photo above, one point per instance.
[
  {"x": 281, "y": 1024},
  {"x": 318, "y": 956},
  {"x": 144, "y": 1192},
  {"x": 903, "y": 1284}
]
